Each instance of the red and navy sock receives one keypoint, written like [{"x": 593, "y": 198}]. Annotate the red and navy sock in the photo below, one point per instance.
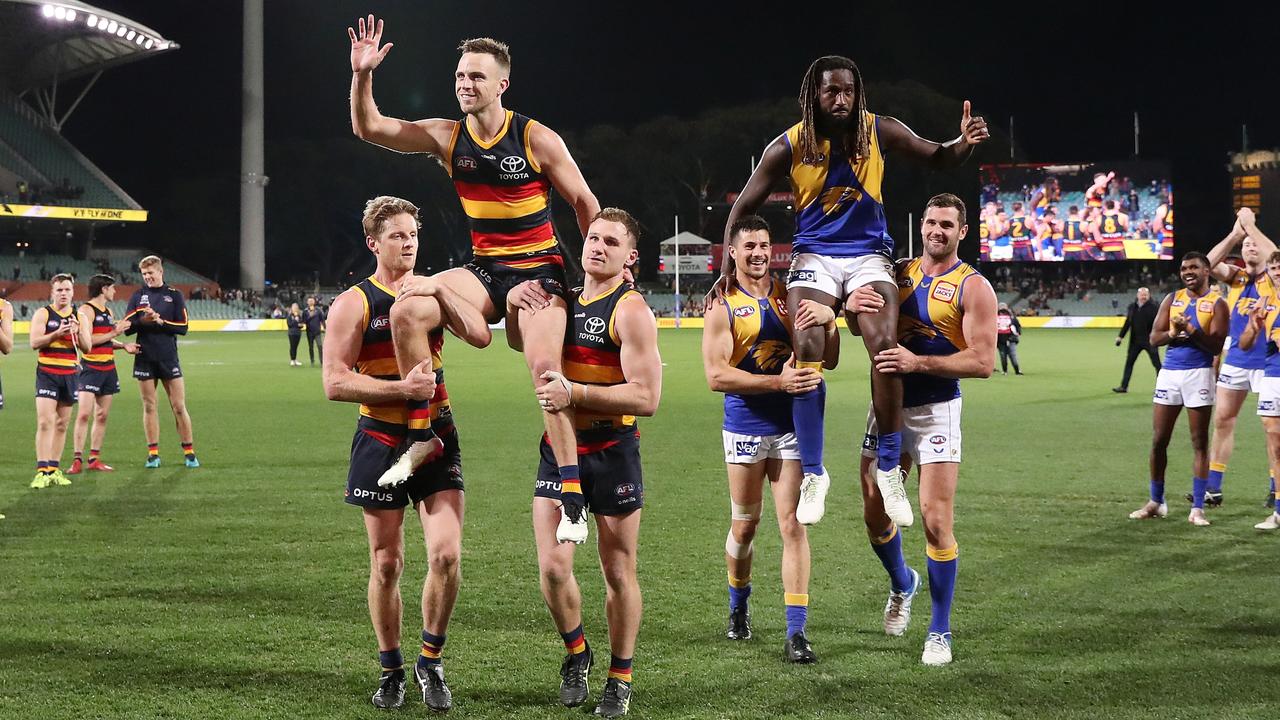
[
  {"x": 189, "y": 450},
  {"x": 391, "y": 660},
  {"x": 78, "y": 456},
  {"x": 432, "y": 649},
  {"x": 94, "y": 454},
  {"x": 575, "y": 642},
  {"x": 620, "y": 668},
  {"x": 420, "y": 421},
  {"x": 153, "y": 450}
]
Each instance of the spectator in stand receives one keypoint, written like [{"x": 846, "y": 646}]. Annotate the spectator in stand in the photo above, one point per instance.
[
  {"x": 314, "y": 317},
  {"x": 1139, "y": 318},
  {"x": 1008, "y": 333},
  {"x": 293, "y": 323}
]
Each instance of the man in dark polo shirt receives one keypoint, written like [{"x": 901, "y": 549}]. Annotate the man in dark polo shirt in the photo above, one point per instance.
[
  {"x": 159, "y": 313},
  {"x": 1137, "y": 322}
]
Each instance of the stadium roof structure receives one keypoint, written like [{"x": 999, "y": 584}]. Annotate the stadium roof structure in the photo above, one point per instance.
[{"x": 44, "y": 44}]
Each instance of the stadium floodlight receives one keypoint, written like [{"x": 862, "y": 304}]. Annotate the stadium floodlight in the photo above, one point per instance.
[
  {"x": 102, "y": 23},
  {"x": 141, "y": 38},
  {"x": 130, "y": 36},
  {"x": 111, "y": 26},
  {"x": 92, "y": 21},
  {"x": 122, "y": 31},
  {"x": 71, "y": 14},
  {"x": 147, "y": 45},
  {"x": 60, "y": 13},
  {"x": 47, "y": 10}
]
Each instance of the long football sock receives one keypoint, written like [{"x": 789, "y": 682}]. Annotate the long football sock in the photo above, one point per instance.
[
  {"x": 188, "y": 450},
  {"x": 943, "y": 565},
  {"x": 888, "y": 451},
  {"x": 1197, "y": 492},
  {"x": 807, "y": 412},
  {"x": 888, "y": 547},
  {"x": 575, "y": 641},
  {"x": 1216, "y": 471},
  {"x": 153, "y": 450},
  {"x": 620, "y": 668},
  {"x": 420, "y": 421},
  {"x": 739, "y": 591},
  {"x": 391, "y": 660},
  {"x": 797, "y": 611},
  {"x": 432, "y": 647},
  {"x": 1157, "y": 492}
]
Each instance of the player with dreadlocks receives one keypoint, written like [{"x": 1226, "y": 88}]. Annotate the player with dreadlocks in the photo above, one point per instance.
[{"x": 834, "y": 159}]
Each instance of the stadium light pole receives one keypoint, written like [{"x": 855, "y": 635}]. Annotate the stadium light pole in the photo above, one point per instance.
[
  {"x": 253, "y": 179},
  {"x": 677, "y": 238}
]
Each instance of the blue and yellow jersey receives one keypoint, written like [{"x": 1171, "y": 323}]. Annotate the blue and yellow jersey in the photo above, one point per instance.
[
  {"x": 930, "y": 323},
  {"x": 59, "y": 356},
  {"x": 761, "y": 345},
  {"x": 1043, "y": 203},
  {"x": 504, "y": 194},
  {"x": 839, "y": 208},
  {"x": 1184, "y": 354},
  {"x": 377, "y": 359},
  {"x": 1268, "y": 343},
  {"x": 1245, "y": 291}
]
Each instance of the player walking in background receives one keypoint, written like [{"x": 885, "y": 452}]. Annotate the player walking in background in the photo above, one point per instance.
[
  {"x": 361, "y": 368},
  {"x": 612, "y": 373},
  {"x": 1138, "y": 321},
  {"x": 98, "y": 381},
  {"x": 504, "y": 167},
  {"x": 1242, "y": 370},
  {"x": 158, "y": 315},
  {"x": 947, "y": 321},
  {"x": 746, "y": 354},
  {"x": 1194, "y": 323},
  {"x": 1008, "y": 335},
  {"x": 53, "y": 337},
  {"x": 834, "y": 158}
]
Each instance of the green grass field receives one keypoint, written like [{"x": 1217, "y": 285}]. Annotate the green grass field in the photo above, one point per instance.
[{"x": 238, "y": 590}]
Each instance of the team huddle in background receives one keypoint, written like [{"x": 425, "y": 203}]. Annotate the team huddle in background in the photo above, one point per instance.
[{"x": 592, "y": 355}]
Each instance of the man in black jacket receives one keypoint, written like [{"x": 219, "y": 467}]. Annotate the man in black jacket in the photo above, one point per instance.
[{"x": 1139, "y": 319}]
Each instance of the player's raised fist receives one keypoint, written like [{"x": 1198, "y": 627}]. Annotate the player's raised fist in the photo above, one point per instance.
[
  {"x": 1245, "y": 217},
  {"x": 973, "y": 129},
  {"x": 365, "y": 53}
]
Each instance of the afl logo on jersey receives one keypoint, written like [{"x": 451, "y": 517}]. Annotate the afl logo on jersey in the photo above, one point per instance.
[
  {"x": 464, "y": 162},
  {"x": 944, "y": 292},
  {"x": 744, "y": 311},
  {"x": 594, "y": 325},
  {"x": 512, "y": 164},
  {"x": 382, "y": 322}
]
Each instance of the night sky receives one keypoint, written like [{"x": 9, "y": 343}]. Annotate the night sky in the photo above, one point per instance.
[{"x": 1070, "y": 77}]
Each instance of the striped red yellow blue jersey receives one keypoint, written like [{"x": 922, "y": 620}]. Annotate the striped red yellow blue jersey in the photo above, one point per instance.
[
  {"x": 59, "y": 356},
  {"x": 1072, "y": 236},
  {"x": 1184, "y": 354},
  {"x": 930, "y": 322},
  {"x": 102, "y": 352},
  {"x": 839, "y": 208},
  {"x": 761, "y": 345},
  {"x": 1244, "y": 291},
  {"x": 1112, "y": 233},
  {"x": 593, "y": 356},
  {"x": 504, "y": 193},
  {"x": 1019, "y": 233},
  {"x": 377, "y": 359}
]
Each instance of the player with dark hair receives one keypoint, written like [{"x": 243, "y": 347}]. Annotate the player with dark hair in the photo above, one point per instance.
[
  {"x": 1020, "y": 235},
  {"x": 1073, "y": 237},
  {"x": 53, "y": 331},
  {"x": 835, "y": 158},
  {"x": 504, "y": 167},
  {"x": 98, "y": 381},
  {"x": 746, "y": 354},
  {"x": 1111, "y": 227},
  {"x": 360, "y": 367},
  {"x": 1193, "y": 322},
  {"x": 612, "y": 374}
]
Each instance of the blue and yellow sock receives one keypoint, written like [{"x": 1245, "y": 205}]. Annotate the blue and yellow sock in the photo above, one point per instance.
[
  {"x": 1216, "y": 471},
  {"x": 797, "y": 611},
  {"x": 943, "y": 565},
  {"x": 808, "y": 411},
  {"x": 1197, "y": 492},
  {"x": 1273, "y": 485},
  {"x": 620, "y": 668},
  {"x": 42, "y": 467},
  {"x": 575, "y": 642},
  {"x": 391, "y": 660},
  {"x": 53, "y": 465},
  {"x": 1157, "y": 491},
  {"x": 739, "y": 591},
  {"x": 888, "y": 547},
  {"x": 432, "y": 648},
  {"x": 420, "y": 421},
  {"x": 888, "y": 451}
]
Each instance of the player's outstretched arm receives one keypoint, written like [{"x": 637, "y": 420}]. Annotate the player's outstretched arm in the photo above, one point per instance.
[
  {"x": 896, "y": 137},
  {"x": 1160, "y": 332},
  {"x": 341, "y": 350},
  {"x": 978, "y": 324},
  {"x": 549, "y": 153},
  {"x": 370, "y": 125},
  {"x": 775, "y": 164},
  {"x": 1218, "y": 253},
  {"x": 717, "y": 350},
  {"x": 6, "y": 329},
  {"x": 1249, "y": 224}
]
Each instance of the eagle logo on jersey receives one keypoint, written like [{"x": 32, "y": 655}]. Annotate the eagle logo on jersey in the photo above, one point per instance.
[
  {"x": 836, "y": 199},
  {"x": 770, "y": 354}
]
